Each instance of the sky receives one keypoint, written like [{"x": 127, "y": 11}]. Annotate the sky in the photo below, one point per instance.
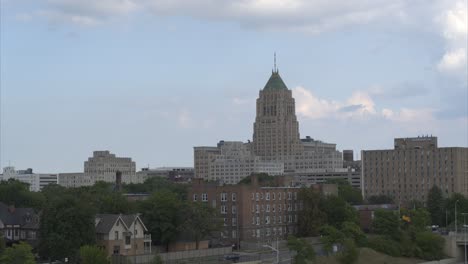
[{"x": 151, "y": 79}]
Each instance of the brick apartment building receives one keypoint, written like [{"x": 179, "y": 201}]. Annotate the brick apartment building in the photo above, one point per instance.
[{"x": 252, "y": 214}]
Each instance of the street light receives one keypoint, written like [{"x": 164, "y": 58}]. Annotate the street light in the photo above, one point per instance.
[
  {"x": 464, "y": 228},
  {"x": 274, "y": 249},
  {"x": 456, "y": 217}
]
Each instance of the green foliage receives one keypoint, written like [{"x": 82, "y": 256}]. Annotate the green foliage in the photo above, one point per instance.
[
  {"x": 349, "y": 253},
  {"x": 14, "y": 192},
  {"x": 67, "y": 223},
  {"x": 435, "y": 205},
  {"x": 2, "y": 242},
  {"x": 311, "y": 218},
  {"x": 420, "y": 219},
  {"x": 92, "y": 255},
  {"x": 431, "y": 245},
  {"x": 386, "y": 223},
  {"x": 380, "y": 199},
  {"x": 353, "y": 231},
  {"x": 18, "y": 254},
  {"x": 157, "y": 184},
  {"x": 200, "y": 220},
  {"x": 157, "y": 260},
  {"x": 305, "y": 253},
  {"x": 338, "y": 211},
  {"x": 330, "y": 236},
  {"x": 349, "y": 194},
  {"x": 263, "y": 179},
  {"x": 385, "y": 245},
  {"x": 162, "y": 216}
]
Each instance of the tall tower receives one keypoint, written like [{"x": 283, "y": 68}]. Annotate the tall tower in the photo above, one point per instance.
[{"x": 276, "y": 130}]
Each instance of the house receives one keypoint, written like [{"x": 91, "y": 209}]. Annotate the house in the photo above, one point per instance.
[
  {"x": 122, "y": 234},
  {"x": 19, "y": 224},
  {"x": 366, "y": 213}
]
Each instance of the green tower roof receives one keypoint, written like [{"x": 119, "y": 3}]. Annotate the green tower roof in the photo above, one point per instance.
[{"x": 275, "y": 82}]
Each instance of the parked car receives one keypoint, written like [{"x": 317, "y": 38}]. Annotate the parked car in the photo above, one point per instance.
[{"x": 232, "y": 257}]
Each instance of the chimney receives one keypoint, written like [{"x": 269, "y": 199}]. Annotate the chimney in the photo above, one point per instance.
[{"x": 118, "y": 180}]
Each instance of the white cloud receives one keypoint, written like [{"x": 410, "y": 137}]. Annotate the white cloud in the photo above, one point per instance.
[
  {"x": 453, "y": 23},
  {"x": 359, "y": 106},
  {"x": 184, "y": 119}
]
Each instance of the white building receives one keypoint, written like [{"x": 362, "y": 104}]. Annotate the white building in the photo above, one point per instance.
[
  {"x": 103, "y": 166},
  {"x": 230, "y": 162},
  {"x": 35, "y": 181}
]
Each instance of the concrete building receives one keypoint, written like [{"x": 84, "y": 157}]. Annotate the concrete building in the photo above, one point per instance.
[
  {"x": 36, "y": 181},
  {"x": 230, "y": 162},
  {"x": 103, "y": 165},
  {"x": 276, "y": 148},
  {"x": 73, "y": 179},
  {"x": 409, "y": 171},
  {"x": 321, "y": 176},
  {"x": 251, "y": 213}
]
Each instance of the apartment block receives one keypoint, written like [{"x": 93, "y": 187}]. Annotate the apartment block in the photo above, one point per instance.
[{"x": 409, "y": 171}]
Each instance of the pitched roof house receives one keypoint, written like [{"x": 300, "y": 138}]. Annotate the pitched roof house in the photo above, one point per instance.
[
  {"x": 19, "y": 224},
  {"x": 122, "y": 234}
]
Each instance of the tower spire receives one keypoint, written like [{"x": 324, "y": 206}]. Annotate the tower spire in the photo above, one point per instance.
[{"x": 275, "y": 69}]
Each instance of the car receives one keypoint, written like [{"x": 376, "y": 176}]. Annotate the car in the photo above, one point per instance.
[{"x": 233, "y": 257}]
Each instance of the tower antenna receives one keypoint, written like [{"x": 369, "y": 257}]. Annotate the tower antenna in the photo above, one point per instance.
[{"x": 275, "y": 69}]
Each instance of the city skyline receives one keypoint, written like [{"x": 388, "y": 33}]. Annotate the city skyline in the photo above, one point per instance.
[{"x": 152, "y": 82}]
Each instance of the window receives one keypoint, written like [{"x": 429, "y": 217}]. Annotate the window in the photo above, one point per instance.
[
  {"x": 273, "y": 196},
  {"x": 256, "y": 208},
  {"x": 234, "y": 221},
  {"x": 223, "y": 197},
  {"x": 267, "y": 220},
  {"x": 116, "y": 250},
  {"x": 258, "y": 220},
  {"x": 195, "y": 197},
  {"x": 257, "y": 196},
  {"x": 295, "y": 196},
  {"x": 268, "y": 208},
  {"x": 234, "y": 234},
  {"x": 225, "y": 221},
  {"x": 223, "y": 209},
  {"x": 289, "y": 196},
  {"x": 116, "y": 235},
  {"x": 127, "y": 240},
  {"x": 279, "y": 196},
  {"x": 290, "y": 218},
  {"x": 273, "y": 209},
  {"x": 261, "y": 196},
  {"x": 267, "y": 196},
  {"x": 136, "y": 232},
  {"x": 204, "y": 197},
  {"x": 234, "y": 197},
  {"x": 234, "y": 209}
]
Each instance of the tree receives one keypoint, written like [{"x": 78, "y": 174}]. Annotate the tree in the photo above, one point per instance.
[
  {"x": 263, "y": 179},
  {"x": 311, "y": 217},
  {"x": 18, "y": 254},
  {"x": 435, "y": 205},
  {"x": 353, "y": 231},
  {"x": 14, "y": 192},
  {"x": 200, "y": 220},
  {"x": 338, "y": 211},
  {"x": 67, "y": 223},
  {"x": 92, "y": 255},
  {"x": 431, "y": 245},
  {"x": 2, "y": 242},
  {"x": 386, "y": 223},
  {"x": 162, "y": 215},
  {"x": 330, "y": 236},
  {"x": 349, "y": 252},
  {"x": 349, "y": 193},
  {"x": 305, "y": 253}
]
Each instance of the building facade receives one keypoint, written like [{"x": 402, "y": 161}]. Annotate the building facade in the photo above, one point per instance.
[
  {"x": 322, "y": 176},
  {"x": 250, "y": 213},
  {"x": 175, "y": 174},
  {"x": 412, "y": 168},
  {"x": 276, "y": 148},
  {"x": 36, "y": 181},
  {"x": 103, "y": 166},
  {"x": 122, "y": 234},
  {"x": 73, "y": 179}
]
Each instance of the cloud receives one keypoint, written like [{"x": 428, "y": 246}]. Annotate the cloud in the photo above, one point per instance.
[
  {"x": 359, "y": 106},
  {"x": 453, "y": 24},
  {"x": 184, "y": 119}
]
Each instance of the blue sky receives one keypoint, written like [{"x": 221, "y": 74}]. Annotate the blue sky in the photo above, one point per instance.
[{"x": 150, "y": 79}]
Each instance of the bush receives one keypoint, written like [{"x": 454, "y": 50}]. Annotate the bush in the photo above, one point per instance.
[
  {"x": 386, "y": 246},
  {"x": 431, "y": 246},
  {"x": 350, "y": 253}
]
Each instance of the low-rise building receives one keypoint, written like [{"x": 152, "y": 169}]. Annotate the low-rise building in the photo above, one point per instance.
[
  {"x": 36, "y": 181},
  {"x": 19, "y": 224},
  {"x": 73, "y": 179},
  {"x": 103, "y": 166},
  {"x": 175, "y": 174},
  {"x": 119, "y": 234},
  {"x": 321, "y": 176}
]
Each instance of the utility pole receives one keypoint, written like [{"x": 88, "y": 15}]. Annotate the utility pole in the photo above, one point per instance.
[
  {"x": 456, "y": 231},
  {"x": 464, "y": 233}
]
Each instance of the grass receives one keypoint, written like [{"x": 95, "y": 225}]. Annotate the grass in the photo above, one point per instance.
[{"x": 367, "y": 256}]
